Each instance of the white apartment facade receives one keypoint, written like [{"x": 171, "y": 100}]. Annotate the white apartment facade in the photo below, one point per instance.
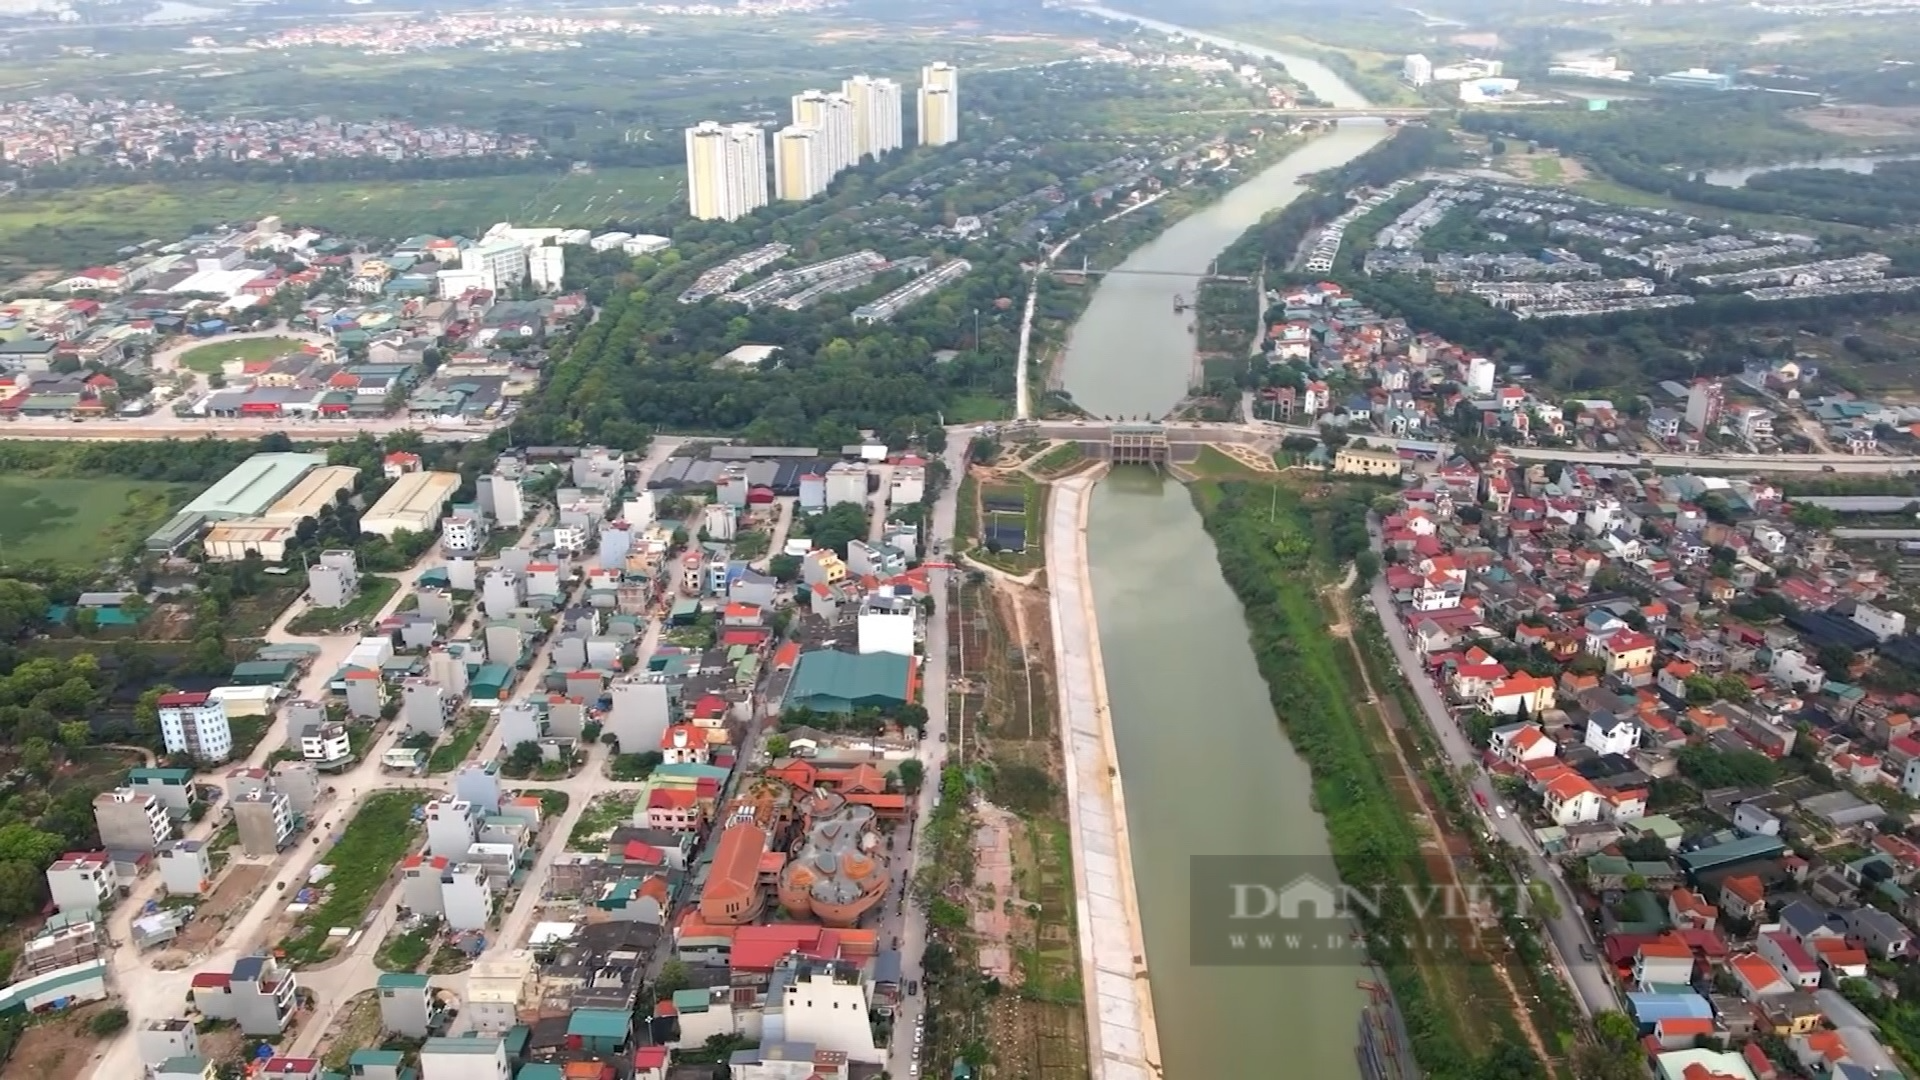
[
  {"x": 501, "y": 264},
  {"x": 195, "y": 724},
  {"x": 939, "y": 104},
  {"x": 876, "y": 115},
  {"x": 832, "y": 116},
  {"x": 726, "y": 170},
  {"x": 799, "y": 164}
]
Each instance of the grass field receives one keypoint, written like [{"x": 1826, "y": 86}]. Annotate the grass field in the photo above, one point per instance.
[
  {"x": 210, "y": 358},
  {"x": 79, "y": 522},
  {"x": 374, "y": 593},
  {"x": 379, "y": 834},
  {"x": 90, "y": 224}
]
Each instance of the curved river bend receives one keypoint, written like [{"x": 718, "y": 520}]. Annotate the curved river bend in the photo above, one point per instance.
[{"x": 1207, "y": 769}]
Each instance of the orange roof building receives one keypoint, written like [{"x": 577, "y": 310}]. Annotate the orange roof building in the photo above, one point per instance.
[{"x": 732, "y": 893}]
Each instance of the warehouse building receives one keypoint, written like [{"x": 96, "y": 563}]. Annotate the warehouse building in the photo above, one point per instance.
[
  {"x": 269, "y": 533},
  {"x": 415, "y": 503},
  {"x": 838, "y": 682},
  {"x": 248, "y": 491},
  {"x": 230, "y": 541}
]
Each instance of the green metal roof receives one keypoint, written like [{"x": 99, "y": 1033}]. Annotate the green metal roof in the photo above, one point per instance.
[
  {"x": 599, "y": 1023},
  {"x": 399, "y": 980},
  {"x": 833, "y": 681},
  {"x": 465, "y": 1044},
  {"x": 254, "y": 485},
  {"x": 376, "y": 1057},
  {"x": 164, "y": 776},
  {"x": 539, "y": 1070},
  {"x": 690, "y": 1000}
]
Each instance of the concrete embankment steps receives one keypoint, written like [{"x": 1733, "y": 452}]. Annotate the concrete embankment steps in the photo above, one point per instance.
[{"x": 1122, "y": 1041}]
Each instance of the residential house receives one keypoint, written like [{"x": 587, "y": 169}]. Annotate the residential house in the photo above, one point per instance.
[
  {"x": 1517, "y": 694},
  {"x": 258, "y": 995},
  {"x": 1790, "y": 958},
  {"x": 1879, "y": 933},
  {"x": 1610, "y": 734},
  {"x": 1517, "y": 744},
  {"x": 1572, "y": 800}
]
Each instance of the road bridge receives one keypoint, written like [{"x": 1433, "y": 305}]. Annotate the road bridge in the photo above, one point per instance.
[
  {"x": 1183, "y": 438},
  {"x": 1086, "y": 270}
]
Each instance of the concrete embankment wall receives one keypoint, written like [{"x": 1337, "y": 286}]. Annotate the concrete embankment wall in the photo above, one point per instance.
[{"x": 1122, "y": 1042}]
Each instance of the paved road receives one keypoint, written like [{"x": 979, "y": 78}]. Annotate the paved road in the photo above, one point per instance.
[
  {"x": 1569, "y": 931},
  {"x": 137, "y": 429},
  {"x": 912, "y": 921}
]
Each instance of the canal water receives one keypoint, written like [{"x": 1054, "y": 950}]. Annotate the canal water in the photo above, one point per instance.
[{"x": 1208, "y": 771}]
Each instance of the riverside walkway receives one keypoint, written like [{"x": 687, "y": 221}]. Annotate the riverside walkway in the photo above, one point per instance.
[{"x": 1122, "y": 1042}]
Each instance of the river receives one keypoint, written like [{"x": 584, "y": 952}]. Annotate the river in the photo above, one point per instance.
[
  {"x": 1860, "y": 164},
  {"x": 1207, "y": 768}
]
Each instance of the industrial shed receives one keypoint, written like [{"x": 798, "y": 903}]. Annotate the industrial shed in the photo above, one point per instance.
[
  {"x": 269, "y": 534},
  {"x": 829, "y": 681},
  {"x": 415, "y": 503},
  {"x": 247, "y": 491},
  {"x": 313, "y": 493},
  {"x": 230, "y": 541}
]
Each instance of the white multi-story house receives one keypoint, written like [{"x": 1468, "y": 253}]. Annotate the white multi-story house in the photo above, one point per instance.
[
  {"x": 196, "y": 725},
  {"x": 1571, "y": 800},
  {"x": 326, "y": 745},
  {"x": 1610, "y": 734},
  {"x": 82, "y": 883},
  {"x": 1880, "y": 623}
]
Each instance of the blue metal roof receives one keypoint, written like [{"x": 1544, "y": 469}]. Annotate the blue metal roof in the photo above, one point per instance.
[{"x": 1653, "y": 1008}]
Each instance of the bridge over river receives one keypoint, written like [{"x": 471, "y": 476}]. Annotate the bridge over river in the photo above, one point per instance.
[{"x": 1159, "y": 442}]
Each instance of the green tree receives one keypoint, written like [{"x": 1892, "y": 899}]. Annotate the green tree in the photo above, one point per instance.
[
  {"x": 108, "y": 1023},
  {"x": 524, "y": 758},
  {"x": 22, "y": 605},
  {"x": 912, "y": 775},
  {"x": 22, "y": 887},
  {"x": 20, "y": 842},
  {"x": 777, "y": 746},
  {"x": 74, "y": 734},
  {"x": 146, "y": 711},
  {"x": 36, "y": 756},
  {"x": 673, "y": 977}
]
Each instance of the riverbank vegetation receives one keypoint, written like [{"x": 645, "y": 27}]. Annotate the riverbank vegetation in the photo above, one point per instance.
[
  {"x": 1272, "y": 546},
  {"x": 1277, "y": 239},
  {"x": 1660, "y": 146}
]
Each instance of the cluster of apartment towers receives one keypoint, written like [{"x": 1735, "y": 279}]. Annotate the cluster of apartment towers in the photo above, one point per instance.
[{"x": 727, "y": 163}]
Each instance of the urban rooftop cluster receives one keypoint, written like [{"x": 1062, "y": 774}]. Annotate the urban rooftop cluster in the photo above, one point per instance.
[
  {"x": 57, "y": 128},
  {"x": 1674, "y": 686},
  {"x": 360, "y": 325},
  {"x": 599, "y": 635},
  {"x": 490, "y": 33},
  {"x": 1352, "y": 368}
]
